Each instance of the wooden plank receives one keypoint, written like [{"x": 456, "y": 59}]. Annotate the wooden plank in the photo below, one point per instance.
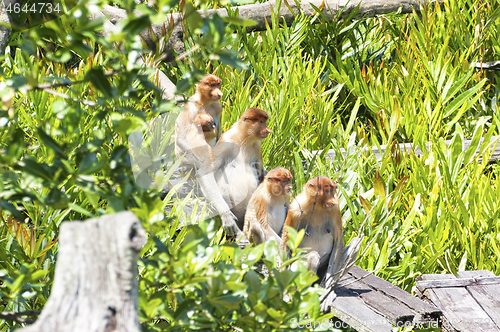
[
  {"x": 392, "y": 310},
  {"x": 488, "y": 296},
  {"x": 349, "y": 308},
  {"x": 407, "y": 147},
  {"x": 475, "y": 274},
  {"x": 423, "y": 284},
  {"x": 423, "y": 308},
  {"x": 460, "y": 309}
]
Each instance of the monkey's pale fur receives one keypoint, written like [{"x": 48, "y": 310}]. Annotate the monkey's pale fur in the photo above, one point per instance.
[{"x": 267, "y": 209}]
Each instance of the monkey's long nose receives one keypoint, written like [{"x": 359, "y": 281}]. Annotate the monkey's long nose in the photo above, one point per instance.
[
  {"x": 331, "y": 202},
  {"x": 268, "y": 130}
]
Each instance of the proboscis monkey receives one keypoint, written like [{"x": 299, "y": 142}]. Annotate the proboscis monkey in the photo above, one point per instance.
[
  {"x": 196, "y": 148},
  {"x": 237, "y": 159},
  {"x": 205, "y": 100},
  {"x": 201, "y": 131},
  {"x": 316, "y": 209},
  {"x": 209, "y": 129},
  {"x": 267, "y": 209}
]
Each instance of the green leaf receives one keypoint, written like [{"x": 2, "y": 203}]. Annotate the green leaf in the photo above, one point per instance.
[
  {"x": 192, "y": 16},
  {"x": 378, "y": 185},
  {"x": 243, "y": 22},
  {"x": 99, "y": 81},
  {"x": 51, "y": 143}
]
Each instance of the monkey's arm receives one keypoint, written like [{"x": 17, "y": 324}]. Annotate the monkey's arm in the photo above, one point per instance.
[
  {"x": 335, "y": 263},
  {"x": 223, "y": 153},
  {"x": 183, "y": 125},
  {"x": 211, "y": 192}
]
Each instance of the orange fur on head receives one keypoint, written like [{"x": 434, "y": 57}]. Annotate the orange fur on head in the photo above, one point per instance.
[
  {"x": 251, "y": 119},
  {"x": 254, "y": 114},
  {"x": 325, "y": 189},
  {"x": 278, "y": 181},
  {"x": 210, "y": 88}
]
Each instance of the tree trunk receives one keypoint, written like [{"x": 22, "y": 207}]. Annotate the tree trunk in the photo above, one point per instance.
[
  {"x": 263, "y": 12},
  {"x": 5, "y": 21},
  {"x": 95, "y": 282}
]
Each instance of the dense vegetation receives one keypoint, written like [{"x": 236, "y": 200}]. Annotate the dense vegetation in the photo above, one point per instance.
[{"x": 341, "y": 84}]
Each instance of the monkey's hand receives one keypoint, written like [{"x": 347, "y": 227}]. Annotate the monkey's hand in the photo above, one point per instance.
[
  {"x": 229, "y": 224},
  {"x": 327, "y": 299}
]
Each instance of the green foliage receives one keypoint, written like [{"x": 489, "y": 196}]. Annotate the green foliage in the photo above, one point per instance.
[
  {"x": 343, "y": 84},
  {"x": 198, "y": 282}
]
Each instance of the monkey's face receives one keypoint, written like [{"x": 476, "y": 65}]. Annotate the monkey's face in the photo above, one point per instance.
[
  {"x": 207, "y": 125},
  {"x": 325, "y": 190},
  {"x": 210, "y": 87},
  {"x": 279, "y": 181},
  {"x": 256, "y": 122},
  {"x": 263, "y": 131}
]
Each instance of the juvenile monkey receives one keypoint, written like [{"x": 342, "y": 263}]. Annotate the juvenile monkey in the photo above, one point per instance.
[
  {"x": 267, "y": 209},
  {"x": 209, "y": 130},
  {"x": 201, "y": 131},
  {"x": 237, "y": 159},
  {"x": 316, "y": 209}
]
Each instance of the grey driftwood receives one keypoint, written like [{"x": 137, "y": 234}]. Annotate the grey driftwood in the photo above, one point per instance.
[{"x": 95, "y": 282}]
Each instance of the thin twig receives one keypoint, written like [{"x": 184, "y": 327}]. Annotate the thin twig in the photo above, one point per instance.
[
  {"x": 17, "y": 316},
  {"x": 66, "y": 96}
]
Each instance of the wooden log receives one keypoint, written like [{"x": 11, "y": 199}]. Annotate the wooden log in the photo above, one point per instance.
[
  {"x": 493, "y": 65},
  {"x": 408, "y": 148},
  {"x": 488, "y": 296},
  {"x": 95, "y": 282},
  {"x": 262, "y": 14},
  {"x": 460, "y": 309}
]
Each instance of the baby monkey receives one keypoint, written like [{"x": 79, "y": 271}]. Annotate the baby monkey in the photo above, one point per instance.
[{"x": 268, "y": 207}]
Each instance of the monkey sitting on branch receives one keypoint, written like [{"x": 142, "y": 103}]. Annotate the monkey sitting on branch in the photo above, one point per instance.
[
  {"x": 316, "y": 210},
  {"x": 268, "y": 207}
]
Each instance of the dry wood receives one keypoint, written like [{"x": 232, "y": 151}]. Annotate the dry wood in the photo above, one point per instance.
[
  {"x": 95, "y": 282},
  {"x": 262, "y": 13},
  {"x": 349, "y": 308},
  {"x": 407, "y": 148},
  {"x": 447, "y": 283},
  {"x": 460, "y": 309},
  {"x": 393, "y": 311},
  {"x": 5, "y": 21},
  {"x": 493, "y": 65},
  {"x": 488, "y": 296},
  {"x": 363, "y": 301},
  {"x": 427, "y": 311}
]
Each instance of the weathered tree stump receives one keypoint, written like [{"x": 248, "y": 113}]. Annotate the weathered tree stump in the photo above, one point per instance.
[{"x": 95, "y": 282}]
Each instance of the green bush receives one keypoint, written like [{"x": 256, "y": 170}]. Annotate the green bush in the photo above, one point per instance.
[{"x": 70, "y": 99}]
